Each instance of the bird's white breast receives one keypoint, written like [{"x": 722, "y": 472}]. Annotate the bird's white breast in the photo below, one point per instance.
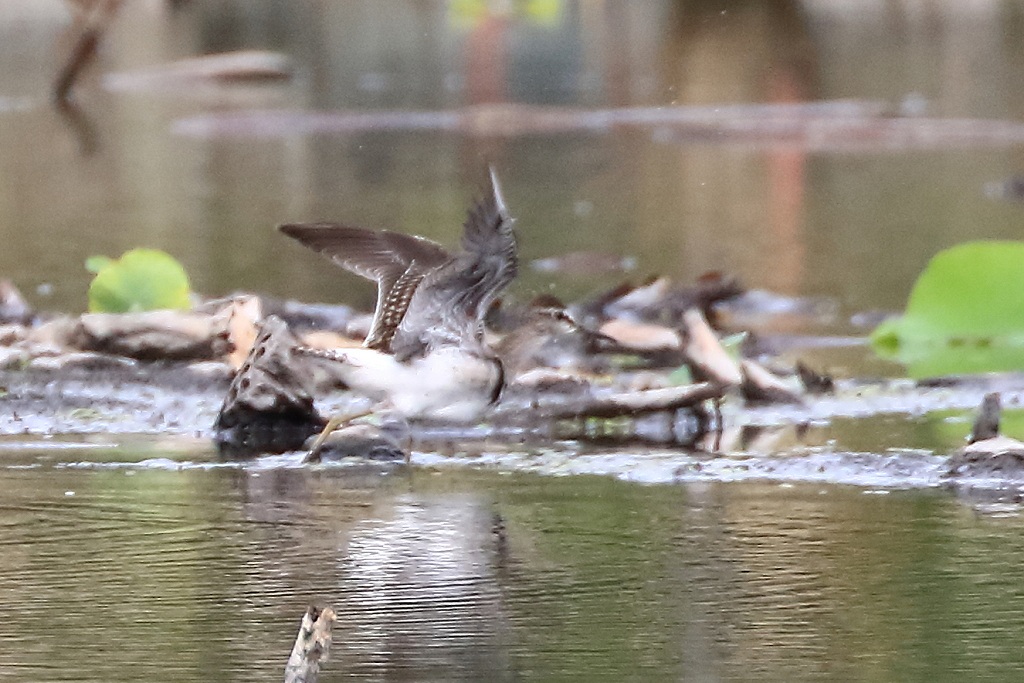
[{"x": 446, "y": 384}]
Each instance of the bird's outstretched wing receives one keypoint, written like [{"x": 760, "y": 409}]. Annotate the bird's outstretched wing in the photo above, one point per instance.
[
  {"x": 491, "y": 259},
  {"x": 396, "y": 262},
  {"x": 461, "y": 288}
]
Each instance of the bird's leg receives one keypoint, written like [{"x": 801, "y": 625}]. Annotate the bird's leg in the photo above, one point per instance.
[{"x": 332, "y": 424}]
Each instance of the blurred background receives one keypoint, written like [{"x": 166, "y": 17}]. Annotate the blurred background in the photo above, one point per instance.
[{"x": 140, "y": 161}]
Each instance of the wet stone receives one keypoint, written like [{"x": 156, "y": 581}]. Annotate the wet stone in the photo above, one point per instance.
[
  {"x": 122, "y": 397},
  {"x": 12, "y": 334},
  {"x": 999, "y": 456},
  {"x": 362, "y": 441}
]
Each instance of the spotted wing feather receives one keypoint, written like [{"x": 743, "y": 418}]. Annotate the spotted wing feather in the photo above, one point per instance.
[{"x": 395, "y": 261}]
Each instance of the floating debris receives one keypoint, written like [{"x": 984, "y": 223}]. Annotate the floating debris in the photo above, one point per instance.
[
  {"x": 243, "y": 66},
  {"x": 707, "y": 358},
  {"x": 12, "y": 104},
  {"x": 584, "y": 263},
  {"x": 91, "y": 21},
  {"x": 1009, "y": 189},
  {"x": 640, "y": 337},
  {"x": 757, "y": 307},
  {"x": 244, "y": 315},
  {"x": 662, "y": 301}
]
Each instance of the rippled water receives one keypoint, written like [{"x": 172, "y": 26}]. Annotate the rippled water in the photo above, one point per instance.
[{"x": 150, "y": 572}]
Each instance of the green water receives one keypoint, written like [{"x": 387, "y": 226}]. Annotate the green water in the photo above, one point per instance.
[{"x": 149, "y": 573}]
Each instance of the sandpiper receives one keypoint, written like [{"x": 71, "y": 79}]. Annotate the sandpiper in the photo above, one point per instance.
[
  {"x": 425, "y": 354},
  {"x": 550, "y": 338}
]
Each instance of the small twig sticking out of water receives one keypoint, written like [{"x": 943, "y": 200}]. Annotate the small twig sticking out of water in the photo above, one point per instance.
[
  {"x": 986, "y": 425},
  {"x": 96, "y": 16},
  {"x": 312, "y": 646}
]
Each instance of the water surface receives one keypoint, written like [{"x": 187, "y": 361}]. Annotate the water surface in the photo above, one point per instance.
[{"x": 148, "y": 572}]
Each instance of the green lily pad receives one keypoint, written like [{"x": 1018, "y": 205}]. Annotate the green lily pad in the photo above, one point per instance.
[
  {"x": 965, "y": 313},
  {"x": 141, "y": 280},
  {"x": 94, "y": 264}
]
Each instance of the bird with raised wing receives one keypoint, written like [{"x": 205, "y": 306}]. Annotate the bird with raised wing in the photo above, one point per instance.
[{"x": 425, "y": 354}]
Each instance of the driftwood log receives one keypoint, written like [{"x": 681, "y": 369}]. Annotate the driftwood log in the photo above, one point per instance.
[
  {"x": 762, "y": 386},
  {"x": 312, "y": 646},
  {"x": 622, "y": 404},
  {"x": 268, "y": 407},
  {"x": 154, "y": 335}
]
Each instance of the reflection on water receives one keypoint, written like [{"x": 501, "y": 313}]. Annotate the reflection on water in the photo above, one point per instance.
[
  {"x": 421, "y": 592},
  {"x": 143, "y": 574}
]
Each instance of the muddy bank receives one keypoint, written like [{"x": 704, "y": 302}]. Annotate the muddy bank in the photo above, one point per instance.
[{"x": 143, "y": 399}]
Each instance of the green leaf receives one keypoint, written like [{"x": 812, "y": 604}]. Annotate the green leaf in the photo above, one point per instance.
[
  {"x": 733, "y": 344},
  {"x": 94, "y": 264},
  {"x": 141, "y": 280},
  {"x": 965, "y": 313},
  {"x": 681, "y": 376}
]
